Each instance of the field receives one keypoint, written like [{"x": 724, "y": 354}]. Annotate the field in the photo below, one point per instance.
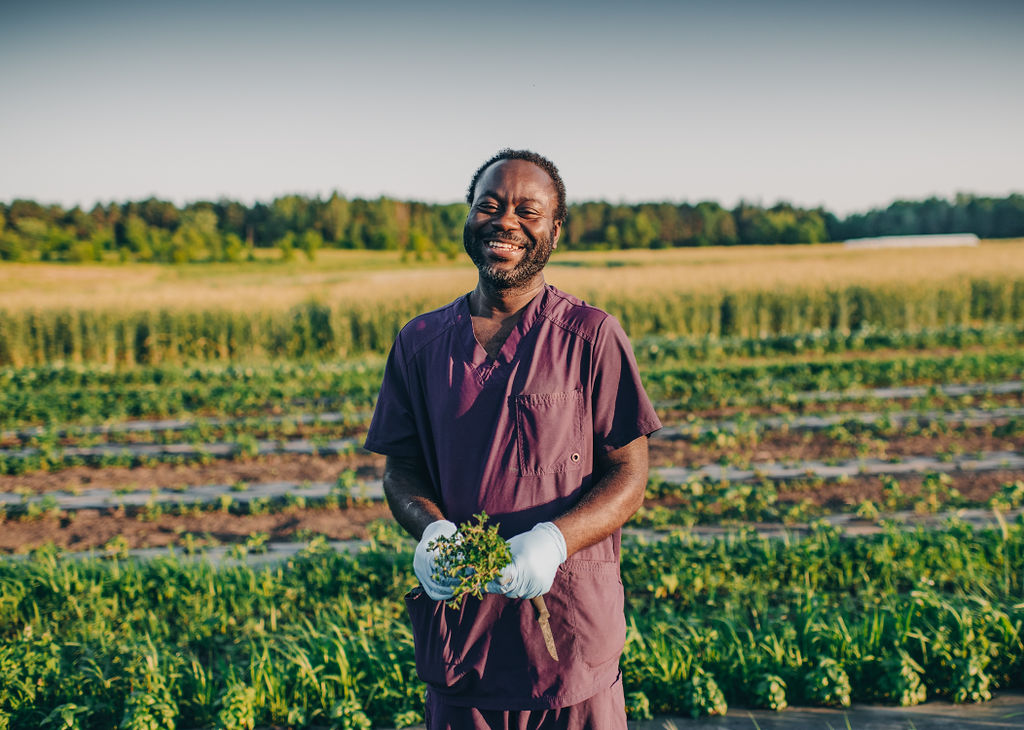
[
  {"x": 834, "y": 509},
  {"x": 351, "y": 304},
  {"x": 372, "y": 277}
]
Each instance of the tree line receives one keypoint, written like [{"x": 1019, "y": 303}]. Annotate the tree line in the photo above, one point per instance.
[{"x": 225, "y": 230}]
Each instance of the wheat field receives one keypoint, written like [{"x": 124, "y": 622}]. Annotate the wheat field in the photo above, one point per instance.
[{"x": 379, "y": 277}]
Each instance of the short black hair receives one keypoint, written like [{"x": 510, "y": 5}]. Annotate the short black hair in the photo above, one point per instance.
[{"x": 540, "y": 161}]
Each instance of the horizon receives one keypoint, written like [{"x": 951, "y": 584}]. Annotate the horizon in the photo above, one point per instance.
[{"x": 815, "y": 105}]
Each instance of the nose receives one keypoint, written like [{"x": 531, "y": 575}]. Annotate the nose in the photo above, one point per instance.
[{"x": 506, "y": 220}]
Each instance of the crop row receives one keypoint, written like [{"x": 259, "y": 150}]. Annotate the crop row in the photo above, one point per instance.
[
  {"x": 64, "y": 395},
  {"x": 50, "y": 457},
  {"x": 733, "y": 446},
  {"x": 317, "y": 330},
  {"x": 332, "y": 425},
  {"x": 70, "y": 395},
  {"x": 320, "y": 427},
  {"x": 853, "y": 429},
  {"x": 239, "y": 499},
  {"x": 706, "y": 386},
  {"x": 712, "y": 502},
  {"x": 756, "y": 312},
  {"x": 696, "y": 501},
  {"x": 322, "y": 639},
  {"x": 651, "y": 352},
  {"x": 657, "y": 349},
  {"x": 743, "y": 427},
  {"x": 196, "y": 431}
]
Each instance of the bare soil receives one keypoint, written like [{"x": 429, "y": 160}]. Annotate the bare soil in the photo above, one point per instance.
[
  {"x": 1003, "y": 400},
  {"x": 211, "y": 429},
  {"x": 87, "y": 529},
  {"x": 270, "y": 468},
  {"x": 841, "y": 496},
  {"x": 835, "y": 495},
  {"x": 777, "y": 446},
  {"x": 794, "y": 446}
]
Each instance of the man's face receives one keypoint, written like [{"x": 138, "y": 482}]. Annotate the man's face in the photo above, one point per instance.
[{"x": 511, "y": 231}]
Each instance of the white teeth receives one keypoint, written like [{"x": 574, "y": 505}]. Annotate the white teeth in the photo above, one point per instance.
[{"x": 502, "y": 246}]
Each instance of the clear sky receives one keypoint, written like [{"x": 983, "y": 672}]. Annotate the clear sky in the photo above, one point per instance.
[{"x": 849, "y": 105}]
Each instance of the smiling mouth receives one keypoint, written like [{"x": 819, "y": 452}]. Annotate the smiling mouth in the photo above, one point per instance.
[{"x": 504, "y": 246}]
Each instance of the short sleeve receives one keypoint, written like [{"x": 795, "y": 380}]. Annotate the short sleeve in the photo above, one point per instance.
[
  {"x": 393, "y": 426},
  {"x": 622, "y": 411}
]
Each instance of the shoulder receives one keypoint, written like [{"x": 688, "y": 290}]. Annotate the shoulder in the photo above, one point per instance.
[
  {"x": 426, "y": 328},
  {"x": 576, "y": 316}
]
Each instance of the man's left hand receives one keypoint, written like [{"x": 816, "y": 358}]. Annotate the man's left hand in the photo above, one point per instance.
[{"x": 536, "y": 556}]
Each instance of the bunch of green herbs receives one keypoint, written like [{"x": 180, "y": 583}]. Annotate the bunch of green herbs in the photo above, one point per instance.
[{"x": 473, "y": 557}]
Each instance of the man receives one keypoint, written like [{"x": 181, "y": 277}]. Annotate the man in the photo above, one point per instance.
[{"x": 524, "y": 402}]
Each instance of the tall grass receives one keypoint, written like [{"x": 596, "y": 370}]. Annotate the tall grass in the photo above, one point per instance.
[
  {"x": 319, "y": 329},
  {"x": 311, "y": 330},
  {"x": 758, "y": 312}
]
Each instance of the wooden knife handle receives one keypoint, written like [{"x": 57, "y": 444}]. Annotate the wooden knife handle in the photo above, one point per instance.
[{"x": 543, "y": 618}]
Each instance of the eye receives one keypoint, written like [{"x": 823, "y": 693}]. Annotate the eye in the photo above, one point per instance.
[
  {"x": 487, "y": 206},
  {"x": 528, "y": 212}
]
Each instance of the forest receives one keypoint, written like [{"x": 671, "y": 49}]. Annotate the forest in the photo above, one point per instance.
[{"x": 159, "y": 231}]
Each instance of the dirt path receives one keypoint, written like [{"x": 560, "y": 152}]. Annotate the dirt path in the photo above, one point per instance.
[
  {"x": 88, "y": 529},
  {"x": 276, "y": 467},
  {"x": 837, "y": 496},
  {"x": 797, "y": 446},
  {"x": 778, "y": 447},
  {"x": 1005, "y": 712}
]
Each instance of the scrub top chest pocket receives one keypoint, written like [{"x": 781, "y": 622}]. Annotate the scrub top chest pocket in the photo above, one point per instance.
[{"x": 549, "y": 431}]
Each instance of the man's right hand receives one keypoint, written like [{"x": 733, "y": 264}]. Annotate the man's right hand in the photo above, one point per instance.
[{"x": 424, "y": 561}]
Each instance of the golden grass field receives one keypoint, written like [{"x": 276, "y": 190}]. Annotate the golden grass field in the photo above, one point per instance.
[{"x": 369, "y": 277}]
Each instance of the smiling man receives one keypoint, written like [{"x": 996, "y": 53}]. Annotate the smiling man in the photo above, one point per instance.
[{"x": 522, "y": 401}]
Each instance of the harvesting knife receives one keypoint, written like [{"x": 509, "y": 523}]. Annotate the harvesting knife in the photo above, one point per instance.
[{"x": 545, "y": 625}]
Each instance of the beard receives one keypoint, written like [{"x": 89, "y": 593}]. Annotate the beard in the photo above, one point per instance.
[{"x": 535, "y": 257}]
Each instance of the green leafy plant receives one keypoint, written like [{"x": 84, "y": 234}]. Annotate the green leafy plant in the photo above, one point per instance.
[
  {"x": 900, "y": 680},
  {"x": 66, "y": 717},
  {"x": 237, "y": 708},
  {"x": 972, "y": 681},
  {"x": 702, "y": 696},
  {"x": 770, "y": 692},
  {"x": 149, "y": 711},
  {"x": 828, "y": 684},
  {"x": 473, "y": 556},
  {"x": 638, "y": 706},
  {"x": 408, "y": 718}
]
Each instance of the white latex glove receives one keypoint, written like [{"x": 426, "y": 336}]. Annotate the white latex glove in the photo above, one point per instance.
[
  {"x": 536, "y": 556},
  {"x": 424, "y": 561}
]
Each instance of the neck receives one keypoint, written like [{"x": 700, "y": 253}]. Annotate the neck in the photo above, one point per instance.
[{"x": 487, "y": 300}]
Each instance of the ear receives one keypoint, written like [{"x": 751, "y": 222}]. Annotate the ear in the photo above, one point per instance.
[{"x": 556, "y": 231}]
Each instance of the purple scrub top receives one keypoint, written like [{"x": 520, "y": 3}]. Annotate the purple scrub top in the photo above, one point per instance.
[{"x": 517, "y": 437}]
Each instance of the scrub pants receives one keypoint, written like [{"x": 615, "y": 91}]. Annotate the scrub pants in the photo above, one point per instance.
[{"x": 604, "y": 711}]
